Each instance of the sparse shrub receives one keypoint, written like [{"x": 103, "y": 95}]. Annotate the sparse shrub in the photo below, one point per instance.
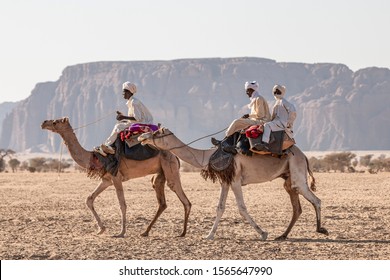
[
  {"x": 14, "y": 163},
  {"x": 339, "y": 161},
  {"x": 32, "y": 169}
]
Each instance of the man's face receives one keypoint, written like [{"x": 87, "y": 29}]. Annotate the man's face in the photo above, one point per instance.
[
  {"x": 249, "y": 92},
  {"x": 126, "y": 94}
]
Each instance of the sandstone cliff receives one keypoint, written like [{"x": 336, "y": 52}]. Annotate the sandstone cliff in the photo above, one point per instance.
[{"x": 337, "y": 108}]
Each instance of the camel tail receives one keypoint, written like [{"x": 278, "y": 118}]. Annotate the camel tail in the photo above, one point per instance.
[{"x": 313, "y": 186}]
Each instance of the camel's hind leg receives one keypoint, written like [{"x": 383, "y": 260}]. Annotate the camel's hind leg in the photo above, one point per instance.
[
  {"x": 104, "y": 184},
  {"x": 297, "y": 209},
  {"x": 158, "y": 183},
  {"x": 316, "y": 202},
  {"x": 299, "y": 167},
  {"x": 237, "y": 189},
  {"x": 170, "y": 165},
  {"x": 220, "y": 209}
]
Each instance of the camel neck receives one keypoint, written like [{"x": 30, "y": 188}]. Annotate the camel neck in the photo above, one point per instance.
[
  {"x": 195, "y": 157},
  {"x": 77, "y": 152}
]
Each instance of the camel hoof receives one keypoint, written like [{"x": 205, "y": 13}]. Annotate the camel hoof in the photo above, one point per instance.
[
  {"x": 323, "y": 231},
  {"x": 210, "y": 237},
  {"x": 145, "y": 234},
  {"x": 102, "y": 229},
  {"x": 121, "y": 235},
  {"x": 264, "y": 236},
  {"x": 281, "y": 238}
]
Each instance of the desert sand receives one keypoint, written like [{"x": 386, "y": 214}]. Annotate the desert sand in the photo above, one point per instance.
[{"x": 44, "y": 216}]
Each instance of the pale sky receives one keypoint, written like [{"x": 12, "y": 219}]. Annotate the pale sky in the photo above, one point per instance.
[{"x": 39, "y": 38}]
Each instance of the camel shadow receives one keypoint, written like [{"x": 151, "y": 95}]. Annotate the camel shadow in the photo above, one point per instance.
[{"x": 322, "y": 240}]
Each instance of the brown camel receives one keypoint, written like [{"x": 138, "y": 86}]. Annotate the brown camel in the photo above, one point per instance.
[
  {"x": 248, "y": 170},
  {"x": 165, "y": 165}
]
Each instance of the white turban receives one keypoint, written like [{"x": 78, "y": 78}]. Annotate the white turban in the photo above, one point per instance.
[
  {"x": 253, "y": 85},
  {"x": 282, "y": 90},
  {"x": 130, "y": 87}
]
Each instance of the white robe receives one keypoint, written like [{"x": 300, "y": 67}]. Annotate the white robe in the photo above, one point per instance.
[{"x": 283, "y": 117}]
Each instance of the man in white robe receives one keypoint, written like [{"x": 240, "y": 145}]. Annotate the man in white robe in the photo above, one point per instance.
[{"x": 137, "y": 113}]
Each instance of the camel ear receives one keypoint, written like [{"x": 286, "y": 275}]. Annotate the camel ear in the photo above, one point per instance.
[{"x": 65, "y": 119}]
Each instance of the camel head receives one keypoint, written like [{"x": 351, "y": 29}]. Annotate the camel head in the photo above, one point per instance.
[
  {"x": 157, "y": 139},
  {"x": 56, "y": 125}
]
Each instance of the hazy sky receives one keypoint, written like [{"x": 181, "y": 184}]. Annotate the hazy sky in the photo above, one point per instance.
[{"x": 39, "y": 38}]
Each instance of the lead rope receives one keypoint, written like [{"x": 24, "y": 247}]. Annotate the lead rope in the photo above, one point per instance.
[
  {"x": 196, "y": 140},
  {"x": 98, "y": 120}
]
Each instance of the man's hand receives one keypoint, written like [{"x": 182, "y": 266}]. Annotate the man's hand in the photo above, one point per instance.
[
  {"x": 119, "y": 116},
  {"x": 245, "y": 116}
]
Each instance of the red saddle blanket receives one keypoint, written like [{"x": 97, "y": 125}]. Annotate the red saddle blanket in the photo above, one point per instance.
[
  {"x": 137, "y": 128},
  {"x": 254, "y": 131}
]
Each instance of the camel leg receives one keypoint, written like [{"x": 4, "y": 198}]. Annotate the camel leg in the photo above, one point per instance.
[
  {"x": 220, "y": 209},
  {"x": 316, "y": 202},
  {"x": 104, "y": 184},
  {"x": 158, "y": 183},
  {"x": 178, "y": 190},
  {"x": 171, "y": 168},
  {"x": 237, "y": 190},
  {"x": 122, "y": 204},
  {"x": 297, "y": 209}
]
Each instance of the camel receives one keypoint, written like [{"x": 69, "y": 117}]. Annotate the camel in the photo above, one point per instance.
[
  {"x": 165, "y": 166},
  {"x": 248, "y": 170}
]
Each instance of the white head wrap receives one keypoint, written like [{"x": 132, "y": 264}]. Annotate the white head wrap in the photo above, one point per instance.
[
  {"x": 282, "y": 89},
  {"x": 130, "y": 87},
  {"x": 253, "y": 85}
]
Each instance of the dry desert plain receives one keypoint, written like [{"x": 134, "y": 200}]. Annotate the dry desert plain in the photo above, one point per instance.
[{"x": 44, "y": 216}]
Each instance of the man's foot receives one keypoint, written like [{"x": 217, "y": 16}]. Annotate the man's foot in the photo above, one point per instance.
[
  {"x": 230, "y": 149},
  {"x": 107, "y": 149},
  {"x": 99, "y": 150},
  {"x": 215, "y": 142}
]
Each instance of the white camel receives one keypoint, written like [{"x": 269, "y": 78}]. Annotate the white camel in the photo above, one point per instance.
[
  {"x": 256, "y": 169},
  {"x": 165, "y": 165}
]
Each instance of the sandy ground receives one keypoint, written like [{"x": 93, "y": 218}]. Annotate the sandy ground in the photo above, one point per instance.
[{"x": 43, "y": 216}]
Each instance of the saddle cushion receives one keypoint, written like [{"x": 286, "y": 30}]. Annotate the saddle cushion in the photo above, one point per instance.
[
  {"x": 254, "y": 131},
  {"x": 137, "y": 128}
]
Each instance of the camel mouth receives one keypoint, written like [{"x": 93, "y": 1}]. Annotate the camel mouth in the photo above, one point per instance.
[{"x": 46, "y": 124}]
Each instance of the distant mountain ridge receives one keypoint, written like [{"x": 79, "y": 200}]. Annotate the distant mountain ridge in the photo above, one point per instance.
[{"x": 338, "y": 109}]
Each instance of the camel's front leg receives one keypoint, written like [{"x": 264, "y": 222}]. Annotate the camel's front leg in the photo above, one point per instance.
[
  {"x": 122, "y": 203},
  {"x": 236, "y": 187},
  {"x": 173, "y": 180},
  {"x": 220, "y": 209},
  {"x": 90, "y": 200}
]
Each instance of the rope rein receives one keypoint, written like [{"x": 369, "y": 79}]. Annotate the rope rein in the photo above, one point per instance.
[
  {"x": 186, "y": 145},
  {"x": 98, "y": 120}
]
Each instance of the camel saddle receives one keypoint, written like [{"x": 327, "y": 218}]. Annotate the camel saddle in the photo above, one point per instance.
[
  {"x": 278, "y": 144},
  {"x": 220, "y": 160},
  {"x": 134, "y": 150},
  {"x": 131, "y": 148}
]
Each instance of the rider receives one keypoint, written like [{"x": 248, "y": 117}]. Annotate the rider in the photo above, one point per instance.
[
  {"x": 137, "y": 113},
  {"x": 283, "y": 117},
  {"x": 259, "y": 114}
]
